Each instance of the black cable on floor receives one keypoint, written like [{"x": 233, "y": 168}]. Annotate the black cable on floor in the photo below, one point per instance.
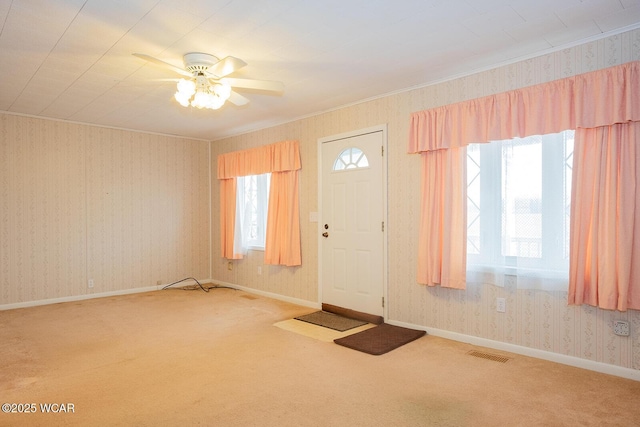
[{"x": 199, "y": 284}]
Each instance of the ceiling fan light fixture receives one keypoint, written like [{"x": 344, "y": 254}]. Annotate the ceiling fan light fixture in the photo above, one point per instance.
[
  {"x": 186, "y": 89},
  {"x": 200, "y": 100},
  {"x": 196, "y": 93}
]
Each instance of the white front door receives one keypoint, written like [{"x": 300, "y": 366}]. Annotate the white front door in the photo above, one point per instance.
[{"x": 352, "y": 265}]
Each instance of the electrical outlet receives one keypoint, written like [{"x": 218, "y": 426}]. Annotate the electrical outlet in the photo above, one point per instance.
[
  {"x": 501, "y": 305},
  {"x": 90, "y": 284},
  {"x": 229, "y": 265},
  {"x": 510, "y": 282},
  {"x": 621, "y": 327}
]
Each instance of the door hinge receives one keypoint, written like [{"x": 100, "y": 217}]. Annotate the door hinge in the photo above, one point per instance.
[
  {"x": 382, "y": 225},
  {"x": 382, "y": 150},
  {"x": 382, "y": 302}
]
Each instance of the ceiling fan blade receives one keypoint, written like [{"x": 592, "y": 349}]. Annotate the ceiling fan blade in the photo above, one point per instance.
[
  {"x": 237, "y": 99},
  {"x": 268, "y": 85},
  {"x": 225, "y": 66},
  {"x": 163, "y": 64}
]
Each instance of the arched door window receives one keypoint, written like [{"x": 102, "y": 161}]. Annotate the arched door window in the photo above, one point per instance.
[{"x": 350, "y": 158}]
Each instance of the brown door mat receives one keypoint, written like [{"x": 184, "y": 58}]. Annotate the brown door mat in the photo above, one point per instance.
[
  {"x": 380, "y": 339},
  {"x": 331, "y": 321},
  {"x": 352, "y": 314}
]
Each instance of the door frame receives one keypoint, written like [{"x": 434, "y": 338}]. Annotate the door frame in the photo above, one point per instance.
[{"x": 385, "y": 214}]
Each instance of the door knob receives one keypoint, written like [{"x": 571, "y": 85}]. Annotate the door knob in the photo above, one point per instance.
[{"x": 325, "y": 234}]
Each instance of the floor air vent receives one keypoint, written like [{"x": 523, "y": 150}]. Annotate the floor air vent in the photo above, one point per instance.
[{"x": 489, "y": 356}]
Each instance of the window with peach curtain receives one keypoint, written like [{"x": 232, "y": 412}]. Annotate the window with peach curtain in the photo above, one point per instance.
[
  {"x": 282, "y": 160},
  {"x": 590, "y": 102}
]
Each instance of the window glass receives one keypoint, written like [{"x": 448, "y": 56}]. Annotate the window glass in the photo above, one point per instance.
[
  {"x": 350, "y": 158},
  {"x": 518, "y": 204},
  {"x": 521, "y": 197},
  {"x": 252, "y": 199}
]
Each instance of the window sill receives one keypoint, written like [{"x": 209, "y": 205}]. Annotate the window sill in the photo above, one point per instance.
[{"x": 520, "y": 278}]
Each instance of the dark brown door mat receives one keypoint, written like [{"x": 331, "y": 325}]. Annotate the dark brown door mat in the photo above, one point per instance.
[
  {"x": 380, "y": 339},
  {"x": 331, "y": 320},
  {"x": 352, "y": 314}
]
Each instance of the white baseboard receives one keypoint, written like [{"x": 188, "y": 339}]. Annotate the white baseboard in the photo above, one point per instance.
[
  {"x": 292, "y": 300},
  {"x": 92, "y": 296},
  {"x": 577, "y": 362},
  {"x": 72, "y": 298}
]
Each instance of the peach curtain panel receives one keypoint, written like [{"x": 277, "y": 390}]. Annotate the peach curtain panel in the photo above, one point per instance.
[
  {"x": 283, "y": 222},
  {"x": 282, "y": 160},
  {"x": 588, "y": 101},
  {"x": 442, "y": 250},
  {"x": 605, "y": 215},
  {"x": 228, "y": 217}
]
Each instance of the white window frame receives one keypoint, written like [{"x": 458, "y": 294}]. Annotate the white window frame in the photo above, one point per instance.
[{"x": 550, "y": 270}]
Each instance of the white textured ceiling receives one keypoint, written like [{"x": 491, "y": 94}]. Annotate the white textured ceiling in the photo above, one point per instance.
[{"x": 72, "y": 59}]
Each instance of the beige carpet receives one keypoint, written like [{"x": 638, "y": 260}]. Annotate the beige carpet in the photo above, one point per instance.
[{"x": 177, "y": 358}]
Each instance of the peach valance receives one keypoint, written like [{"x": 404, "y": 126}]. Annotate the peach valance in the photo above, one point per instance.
[
  {"x": 589, "y": 100},
  {"x": 279, "y": 157}
]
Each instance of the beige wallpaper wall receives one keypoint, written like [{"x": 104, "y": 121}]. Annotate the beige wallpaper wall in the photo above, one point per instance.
[
  {"x": 534, "y": 319},
  {"x": 78, "y": 202}
]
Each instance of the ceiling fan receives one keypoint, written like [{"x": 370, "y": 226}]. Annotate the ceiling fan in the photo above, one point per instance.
[{"x": 206, "y": 84}]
